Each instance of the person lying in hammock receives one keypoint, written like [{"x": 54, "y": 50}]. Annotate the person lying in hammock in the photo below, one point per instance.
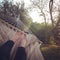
[
  {"x": 21, "y": 47},
  {"x": 8, "y": 51}
]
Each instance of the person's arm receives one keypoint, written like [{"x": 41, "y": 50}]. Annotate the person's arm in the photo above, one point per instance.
[{"x": 5, "y": 50}]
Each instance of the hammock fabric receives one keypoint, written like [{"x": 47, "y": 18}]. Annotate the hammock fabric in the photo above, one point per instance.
[{"x": 32, "y": 44}]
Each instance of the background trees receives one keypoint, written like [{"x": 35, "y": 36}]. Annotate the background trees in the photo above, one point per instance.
[
  {"x": 47, "y": 9},
  {"x": 41, "y": 31},
  {"x": 17, "y": 11}
]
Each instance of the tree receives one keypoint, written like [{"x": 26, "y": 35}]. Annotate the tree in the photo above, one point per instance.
[
  {"x": 51, "y": 7},
  {"x": 40, "y": 30},
  {"x": 17, "y": 11},
  {"x": 39, "y": 4},
  {"x": 24, "y": 16}
]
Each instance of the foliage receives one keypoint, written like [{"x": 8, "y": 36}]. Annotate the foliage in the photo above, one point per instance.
[
  {"x": 51, "y": 52},
  {"x": 17, "y": 11},
  {"x": 41, "y": 31},
  {"x": 52, "y": 40}
]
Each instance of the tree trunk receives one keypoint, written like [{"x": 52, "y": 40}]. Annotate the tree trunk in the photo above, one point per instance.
[{"x": 50, "y": 8}]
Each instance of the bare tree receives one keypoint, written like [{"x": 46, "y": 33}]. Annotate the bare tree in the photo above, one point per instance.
[
  {"x": 40, "y": 5},
  {"x": 51, "y": 7}
]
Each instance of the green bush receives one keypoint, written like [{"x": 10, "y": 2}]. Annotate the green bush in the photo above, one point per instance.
[{"x": 52, "y": 40}]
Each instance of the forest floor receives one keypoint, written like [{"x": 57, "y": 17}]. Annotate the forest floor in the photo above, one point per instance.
[{"x": 51, "y": 52}]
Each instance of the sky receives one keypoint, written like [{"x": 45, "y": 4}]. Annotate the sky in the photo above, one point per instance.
[{"x": 34, "y": 14}]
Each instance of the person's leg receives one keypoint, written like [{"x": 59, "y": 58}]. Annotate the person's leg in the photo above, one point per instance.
[
  {"x": 20, "y": 54},
  {"x": 5, "y": 50}
]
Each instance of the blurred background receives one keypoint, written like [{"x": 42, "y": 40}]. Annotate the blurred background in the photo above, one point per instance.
[{"x": 39, "y": 17}]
